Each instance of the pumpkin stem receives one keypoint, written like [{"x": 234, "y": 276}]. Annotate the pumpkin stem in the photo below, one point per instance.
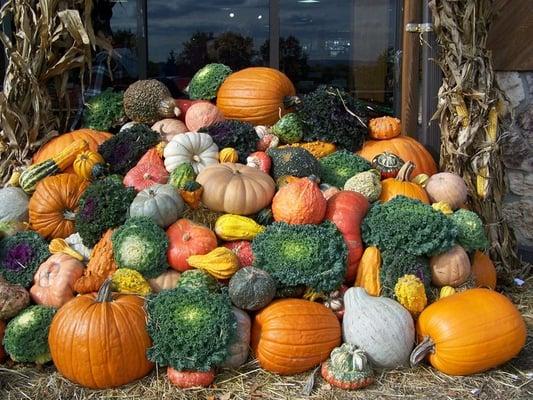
[
  {"x": 421, "y": 351},
  {"x": 69, "y": 215},
  {"x": 404, "y": 175},
  {"x": 291, "y": 101},
  {"x": 105, "y": 295}
]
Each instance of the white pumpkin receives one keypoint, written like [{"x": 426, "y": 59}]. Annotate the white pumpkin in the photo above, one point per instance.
[
  {"x": 238, "y": 351},
  {"x": 194, "y": 147},
  {"x": 161, "y": 203},
  {"x": 380, "y": 326}
]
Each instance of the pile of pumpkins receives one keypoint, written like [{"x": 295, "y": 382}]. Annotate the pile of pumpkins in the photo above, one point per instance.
[{"x": 349, "y": 332}]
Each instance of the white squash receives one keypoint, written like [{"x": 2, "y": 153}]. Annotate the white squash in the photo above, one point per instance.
[
  {"x": 13, "y": 205},
  {"x": 75, "y": 242},
  {"x": 161, "y": 203},
  {"x": 194, "y": 147},
  {"x": 380, "y": 326},
  {"x": 238, "y": 351}
]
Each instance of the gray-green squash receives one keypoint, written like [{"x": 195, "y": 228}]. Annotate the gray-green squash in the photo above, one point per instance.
[
  {"x": 251, "y": 288},
  {"x": 161, "y": 203},
  {"x": 13, "y": 205}
]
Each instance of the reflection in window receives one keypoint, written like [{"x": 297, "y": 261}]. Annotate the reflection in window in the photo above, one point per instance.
[
  {"x": 185, "y": 35},
  {"x": 347, "y": 43}
]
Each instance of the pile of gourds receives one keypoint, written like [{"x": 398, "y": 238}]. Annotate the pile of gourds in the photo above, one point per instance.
[{"x": 212, "y": 208}]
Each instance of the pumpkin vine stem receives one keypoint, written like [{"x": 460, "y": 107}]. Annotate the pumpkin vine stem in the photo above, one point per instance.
[
  {"x": 421, "y": 351},
  {"x": 69, "y": 215},
  {"x": 105, "y": 294}
]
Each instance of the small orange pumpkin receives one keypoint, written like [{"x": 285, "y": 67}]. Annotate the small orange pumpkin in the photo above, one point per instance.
[
  {"x": 384, "y": 128},
  {"x": 85, "y": 162},
  {"x": 401, "y": 185},
  {"x": 483, "y": 270}
]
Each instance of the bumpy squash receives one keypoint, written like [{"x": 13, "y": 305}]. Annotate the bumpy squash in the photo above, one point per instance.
[
  {"x": 236, "y": 227},
  {"x": 411, "y": 293},
  {"x": 183, "y": 174},
  {"x": 191, "y": 193},
  {"x": 221, "y": 262},
  {"x": 384, "y": 127},
  {"x": 299, "y": 202},
  {"x": 318, "y": 149},
  {"x": 150, "y": 170},
  {"x": 347, "y": 368},
  {"x": 368, "y": 271},
  {"x": 367, "y": 183}
]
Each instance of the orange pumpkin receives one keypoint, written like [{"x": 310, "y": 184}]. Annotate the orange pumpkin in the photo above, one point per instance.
[
  {"x": 290, "y": 336},
  {"x": 483, "y": 270},
  {"x": 469, "y": 332},
  {"x": 401, "y": 185},
  {"x": 405, "y": 147},
  {"x": 53, "y": 206},
  {"x": 54, "y": 146},
  {"x": 190, "y": 379},
  {"x": 384, "y": 128},
  {"x": 257, "y": 95},
  {"x": 299, "y": 202},
  {"x": 54, "y": 280},
  {"x": 100, "y": 341}
]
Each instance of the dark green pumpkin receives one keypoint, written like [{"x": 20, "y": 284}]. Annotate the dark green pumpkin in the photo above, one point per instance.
[
  {"x": 294, "y": 161},
  {"x": 251, "y": 288},
  {"x": 183, "y": 174},
  {"x": 289, "y": 129}
]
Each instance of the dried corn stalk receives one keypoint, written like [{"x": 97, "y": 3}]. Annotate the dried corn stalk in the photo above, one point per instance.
[
  {"x": 469, "y": 108},
  {"x": 51, "y": 38}
]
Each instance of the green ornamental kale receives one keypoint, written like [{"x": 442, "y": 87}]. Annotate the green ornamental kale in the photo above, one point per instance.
[
  {"x": 231, "y": 133},
  {"x": 104, "y": 205},
  {"x": 206, "y": 81},
  {"x": 140, "y": 244},
  {"x": 470, "y": 233},
  {"x": 21, "y": 255},
  {"x": 198, "y": 279},
  {"x": 336, "y": 168},
  {"x": 26, "y": 336},
  {"x": 123, "y": 150},
  {"x": 311, "y": 255},
  {"x": 408, "y": 225},
  {"x": 191, "y": 329},
  {"x": 104, "y": 111},
  {"x": 396, "y": 264},
  {"x": 332, "y": 115}
]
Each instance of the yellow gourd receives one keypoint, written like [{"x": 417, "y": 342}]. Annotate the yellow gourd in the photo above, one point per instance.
[
  {"x": 228, "y": 154},
  {"x": 221, "y": 262},
  {"x": 59, "y": 245},
  {"x": 368, "y": 271},
  {"x": 421, "y": 179},
  {"x": 411, "y": 294},
  {"x": 443, "y": 207},
  {"x": 446, "y": 291},
  {"x": 318, "y": 149},
  {"x": 85, "y": 162},
  {"x": 236, "y": 227},
  {"x": 129, "y": 281}
]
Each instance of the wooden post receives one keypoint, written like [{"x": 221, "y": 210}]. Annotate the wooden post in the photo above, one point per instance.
[{"x": 412, "y": 13}]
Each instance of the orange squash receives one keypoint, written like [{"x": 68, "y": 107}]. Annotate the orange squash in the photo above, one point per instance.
[
  {"x": 299, "y": 202},
  {"x": 405, "y": 147},
  {"x": 368, "y": 271},
  {"x": 384, "y": 128},
  {"x": 290, "y": 336},
  {"x": 149, "y": 170},
  {"x": 256, "y": 95},
  {"x": 401, "y": 185},
  {"x": 483, "y": 270},
  {"x": 53, "y": 206},
  {"x": 54, "y": 146},
  {"x": 469, "y": 332}
]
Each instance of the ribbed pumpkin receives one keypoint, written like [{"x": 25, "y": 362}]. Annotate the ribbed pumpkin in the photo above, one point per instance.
[
  {"x": 54, "y": 146},
  {"x": 256, "y": 95},
  {"x": 483, "y": 270},
  {"x": 53, "y": 206},
  {"x": 228, "y": 154},
  {"x": 401, "y": 185},
  {"x": 469, "y": 332},
  {"x": 299, "y": 202},
  {"x": 290, "y": 336},
  {"x": 384, "y": 127},
  {"x": 405, "y": 147},
  {"x": 100, "y": 341},
  {"x": 85, "y": 162}
]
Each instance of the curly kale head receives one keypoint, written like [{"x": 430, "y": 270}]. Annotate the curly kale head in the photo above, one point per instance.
[
  {"x": 21, "y": 255},
  {"x": 470, "y": 233},
  {"x": 140, "y": 244},
  {"x": 311, "y": 255},
  {"x": 336, "y": 168},
  {"x": 123, "y": 150},
  {"x": 104, "y": 205},
  {"x": 396, "y": 264},
  {"x": 191, "y": 329},
  {"x": 26, "y": 336},
  {"x": 327, "y": 114},
  {"x": 408, "y": 225},
  {"x": 104, "y": 111},
  {"x": 231, "y": 133},
  {"x": 206, "y": 81}
]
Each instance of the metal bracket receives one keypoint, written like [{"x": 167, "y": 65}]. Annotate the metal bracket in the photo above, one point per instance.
[{"x": 419, "y": 28}]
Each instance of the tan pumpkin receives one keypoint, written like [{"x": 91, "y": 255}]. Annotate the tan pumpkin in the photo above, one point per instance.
[
  {"x": 257, "y": 95},
  {"x": 401, "y": 186},
  {"x": 167, "y": 280},
  {"x": 235, "y": 188},
  {"x": 169, "y": 127},
  {"x": 384, "y": 128},
  {"x": 451, "y": 268},
  {"x": 85, "y": 162},
  {"x": 54, "y": 280},
  {"x": 447, "y": 187}
]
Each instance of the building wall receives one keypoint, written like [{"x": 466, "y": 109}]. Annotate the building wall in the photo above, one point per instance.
[{"x": 517, "y": 146}]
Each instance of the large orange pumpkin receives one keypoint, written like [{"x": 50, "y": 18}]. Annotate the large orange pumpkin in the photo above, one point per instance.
[
  {"x": 483, "y": 270},
  {"x": 469, "y": 332},
  {"x": 299, "y": 202},
  {"x": 290, "y": 336},
  {"x": 53, "y": 206},
  {"x": 100, "y": 340},
  {"x": 402, "y": 186},
  {"x": 256, "y": 95},
  {"x": 405, "y": 147},
  {"x": 54, "y": 146}
]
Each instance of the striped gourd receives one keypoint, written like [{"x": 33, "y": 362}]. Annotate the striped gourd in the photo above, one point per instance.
[{"x": 59, "y": 162}]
